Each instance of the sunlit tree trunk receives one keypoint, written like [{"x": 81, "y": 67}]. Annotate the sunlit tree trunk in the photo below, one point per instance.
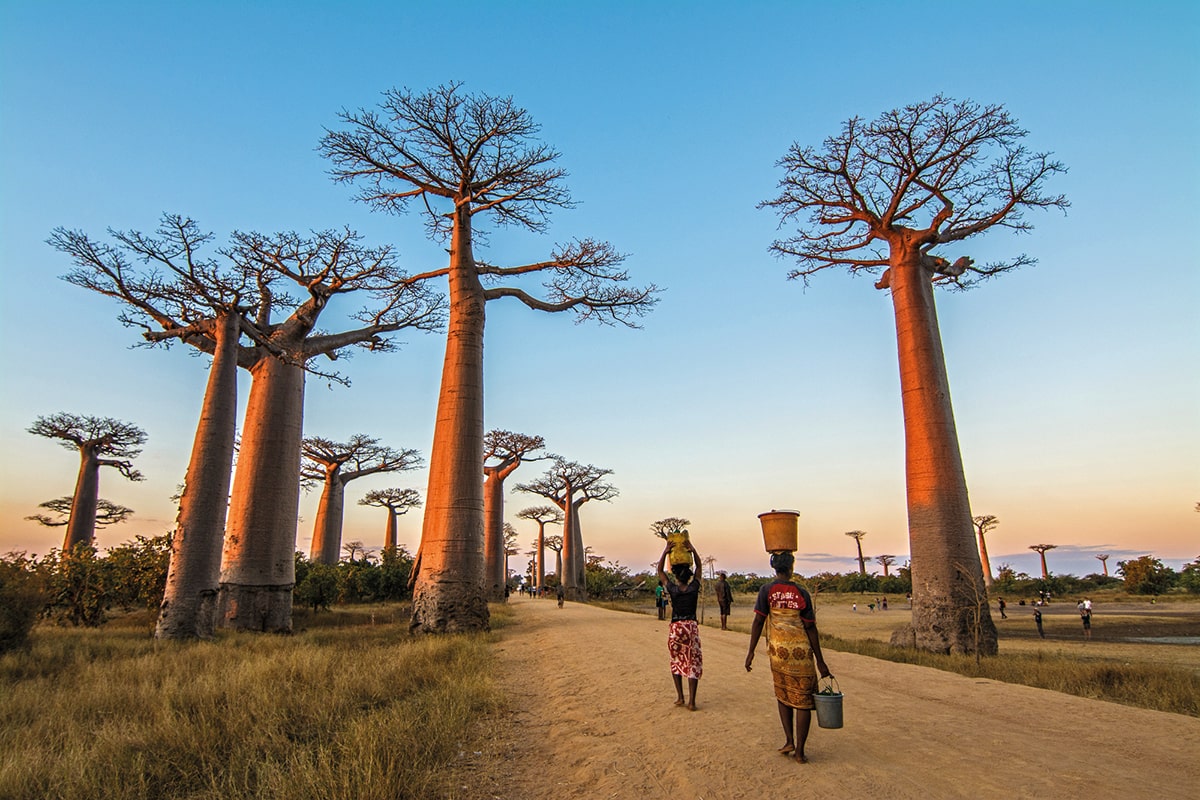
[
  {"x": 81, "y": 525},
  {"x": 493, "y": 535},
  {"x": 190, "y": 601},
  {"x": 579, "y": 553},
  {"x": 258, "y": 567},
  {"x": 983, "y": 560},
  {"x": 941, "y": 532},
  {"x": 448, "y": 594},
  {"x": 389, "y": 535},
  {"x": 566, "y": 566},
  {"x": 541, "y": 555},
  {"x": 327, "y": 530}
]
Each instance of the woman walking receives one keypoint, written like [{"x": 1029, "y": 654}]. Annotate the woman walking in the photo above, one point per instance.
[
  {"x": 793, "y": 643},
  {"x": 683, "y": 639}
]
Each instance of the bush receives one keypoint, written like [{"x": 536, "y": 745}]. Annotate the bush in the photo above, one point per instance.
[
  {"x": 1146, "y": 575},
  {"x": 22, "y": 598}
]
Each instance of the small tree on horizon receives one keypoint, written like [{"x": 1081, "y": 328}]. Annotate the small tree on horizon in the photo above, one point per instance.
[
  {"x": 879, "y": 197},
  {"x": 983, "y": 524},
  {"x": 397, "y": 502},
  {"x": 665, "y": 527},
  {"x": 1041, "y": 551},
  {"x": 543, "y": 516},
  {"x": 857, "y": 536}
]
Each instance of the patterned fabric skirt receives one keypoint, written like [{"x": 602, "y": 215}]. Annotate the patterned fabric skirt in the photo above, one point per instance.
[
  {"x": 683, "y": 642},
  {"x": 792, "y": 666}
]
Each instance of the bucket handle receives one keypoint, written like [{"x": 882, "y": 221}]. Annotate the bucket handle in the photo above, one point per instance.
[{"x": 830, "y": 688}]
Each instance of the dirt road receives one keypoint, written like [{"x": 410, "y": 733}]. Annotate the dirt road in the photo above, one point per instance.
[{"x": 593, "y": 717}]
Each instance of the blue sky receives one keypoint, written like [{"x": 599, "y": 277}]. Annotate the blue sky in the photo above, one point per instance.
[{"x": 1074, "y": 382}]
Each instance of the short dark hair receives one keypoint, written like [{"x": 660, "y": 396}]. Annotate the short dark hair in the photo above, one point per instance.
[
  {"x": 683, "y": 572},
  {"x": 782, "y": 562}
]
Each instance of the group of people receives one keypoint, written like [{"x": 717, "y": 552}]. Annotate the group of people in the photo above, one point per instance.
[
  {"x": 783, "y": 608},
  {"x": 1084, "y": 607}
]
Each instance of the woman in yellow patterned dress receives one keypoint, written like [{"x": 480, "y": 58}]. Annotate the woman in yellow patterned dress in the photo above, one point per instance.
[{"x": 786, "y": 610}]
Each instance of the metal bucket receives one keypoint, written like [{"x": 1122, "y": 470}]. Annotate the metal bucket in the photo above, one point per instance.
[
  {"x": 828, "y": 700},
  {"x": 780, "y": 530}
]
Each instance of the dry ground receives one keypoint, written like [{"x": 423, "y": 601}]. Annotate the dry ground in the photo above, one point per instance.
[{"x": 592, "y": 717}]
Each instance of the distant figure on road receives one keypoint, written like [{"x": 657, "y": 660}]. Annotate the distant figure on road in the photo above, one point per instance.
[
  {"x": 793, "y": 643},
  {"x": 660, "y": 600},
  {"x": 560, "y": 595},
  {"x": 724, "y": 599},
  {"x": 1085, "y": 614},
  {"x": 1003, "y": 606},
  {"x": 1037, "y": 618},
  {"x": 683, "y": 638}
]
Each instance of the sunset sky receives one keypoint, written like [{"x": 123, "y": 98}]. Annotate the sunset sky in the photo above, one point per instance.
[{"x": 1075, "y": 382}]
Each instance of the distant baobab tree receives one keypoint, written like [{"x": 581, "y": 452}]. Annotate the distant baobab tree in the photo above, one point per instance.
[
  {"x": 1104, "y": 561},
  {"x": 665, "y": 527},
  {"x": 885, "y": 561},
  {"x": 569, "y": 485},
  {"x": 503, "y": 452},
  {"x": 1041, "y": 551},
  {"x": 858, "y": 537},
  {"x": 333, "y": 465},
  {"x": 210, "y": 304},
  {"x": 100, "y": 442},
  {"x": 397, "y": 502},
  {"x": 983, "y": 524},
  {"x": 107, "y": 513},
  {"x": 510, "y": 546},
  {"x": 555, "y": 543},
  {"x": 881, "y": 196},
  {"x": 543, "y": 516},
  {"x": 463, "y": 158}
]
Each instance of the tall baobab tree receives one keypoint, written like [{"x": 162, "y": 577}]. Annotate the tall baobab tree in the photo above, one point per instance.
[
  {"x": 1041, "y": 551},
  {"x": 107, "y": 513},
  {"x": 210, "y": 304},
  {"x": 1103, "y": 557},
  {"x": 397, "y": 502},
  {"x": 886, "y": 562},
  {"x": 333, "y": 465},
  {"x": 881, "y": 196},
  {"x": 543, "y": 516},
  {"x": 510, "y": 546},
  {"x": 464, "y": 158},
  {"x": 100, "y": 442},
  {"x": 569, "y": 485},
  {"x": 503, "y": 452},
  {"x": 983, "y": 524},
  {"x": 180, "y": 294},
  {"x": 857, "y": 536}
]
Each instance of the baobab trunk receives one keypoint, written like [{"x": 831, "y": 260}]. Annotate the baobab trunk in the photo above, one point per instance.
[
  {"x": 983, "y": 560},
  {"x": 947, "y": 581},
  {"x": 448, "y": 593},
  {"x": 81, "y": 525},
  {"x": 389, "y": 535},
  {"x": 541, "y": 556},
  {"x": 493, "y": 535},
  {"x": 258, "y": 566},
  {"x": 580, "y": 557},
  {"x": 566, "y": 570},
  {"x": 189, "y": 605},
  {"x": 327, "y": 531}
]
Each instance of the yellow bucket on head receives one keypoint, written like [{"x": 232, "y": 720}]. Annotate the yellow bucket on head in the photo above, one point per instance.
[
  {"x": 780, "y": 530},
  {"x": 679, "y": 553}
]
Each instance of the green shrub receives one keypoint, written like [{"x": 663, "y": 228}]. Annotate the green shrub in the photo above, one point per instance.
[{"x": 22, "y": 598}]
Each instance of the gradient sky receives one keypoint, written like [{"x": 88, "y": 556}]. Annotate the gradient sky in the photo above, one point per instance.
[{"x": 1075, "y": 382}]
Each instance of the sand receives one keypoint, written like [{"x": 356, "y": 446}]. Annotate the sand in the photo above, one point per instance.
[{"x": 592, "y": 716}]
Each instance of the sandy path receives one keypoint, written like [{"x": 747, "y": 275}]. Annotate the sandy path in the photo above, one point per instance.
[{"x": 593, "y": 717}]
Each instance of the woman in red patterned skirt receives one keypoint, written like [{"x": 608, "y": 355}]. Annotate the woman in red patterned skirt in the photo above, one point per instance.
[
  {"x": 793, "y": 644},
  {"x": 683, "y": 640}
]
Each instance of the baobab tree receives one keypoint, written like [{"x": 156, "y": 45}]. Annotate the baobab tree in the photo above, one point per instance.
[
  {"x": 503, "y": 452},
  {"x": 857, "y": 536},
  {"x": 665, "y": 527},
  {"x": 569, "y": 485},
  {"x": 333, "y": 465},
  {"x": 555, "y": 543},
  {"x": 100, "y": 442},
  {"x": 543, "y": 516},
  {"x": 1041, "y": 551},
  {"x": 881, "y": 196},
  {"x": 885, "y": 561},
  {"x": 462, "y": 159},
  {"x": 107, "y": 513},
  {"x": 983, "y": 524},
  {"x": 210, "y": 304},
  {"x": 397, "y": 502},
  {"x": 510, "y": 546},
  {"x": 1104, "y": 562}
]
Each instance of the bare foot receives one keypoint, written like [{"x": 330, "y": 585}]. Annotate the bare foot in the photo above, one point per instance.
[
  {"x": 679, "y": 702},
  {"x": 800, "y": 758},
  {"x": 787, "y": 749},
  {"x": 691, "y": 706}
]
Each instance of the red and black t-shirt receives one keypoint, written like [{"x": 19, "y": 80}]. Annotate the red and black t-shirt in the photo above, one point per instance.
[{"x": 781, "y": 595}]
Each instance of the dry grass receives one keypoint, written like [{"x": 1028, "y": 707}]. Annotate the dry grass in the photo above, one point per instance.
[{"x": 343, "y": 709}]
